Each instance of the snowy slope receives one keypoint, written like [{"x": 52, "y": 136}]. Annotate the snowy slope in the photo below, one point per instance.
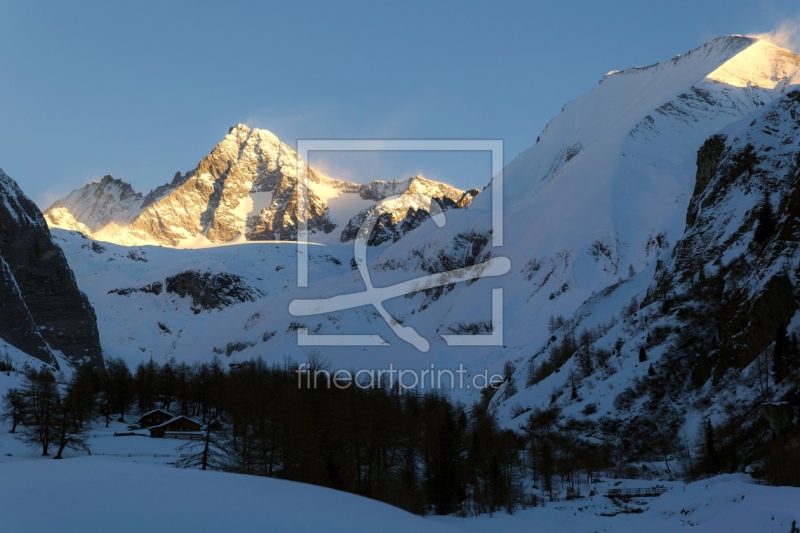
[
  {"x": 707, "y": 316},
  {"x": 731, "y": 503},
  {"x": 606, "y": 186},
  {"x": 96, "y": 494},
  {"x": 137, "y": 322},
  {"x": 101, "y": 493}
]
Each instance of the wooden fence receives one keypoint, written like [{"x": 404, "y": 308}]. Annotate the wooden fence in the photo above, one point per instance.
[{"x": 650, "y": 492}]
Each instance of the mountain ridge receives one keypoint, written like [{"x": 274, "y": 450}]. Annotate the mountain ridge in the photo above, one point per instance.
[
  {"x": 596, "y": 197},
  {"x": 245, "y": 188},
  {"x": 607, "y": 211},
  {"x": 693, "y": 343}
]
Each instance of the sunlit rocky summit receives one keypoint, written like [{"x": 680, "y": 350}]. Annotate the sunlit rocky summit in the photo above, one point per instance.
[{"x": 246, "y": 189}]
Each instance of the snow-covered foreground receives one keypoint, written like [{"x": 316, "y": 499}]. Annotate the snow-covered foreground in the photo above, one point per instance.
[
  {"x": 112, "y": 494},
  {"x": 726, "y": 503},
  {"x": 89, "y": 494},
  {"x": 128, "y": 484}
]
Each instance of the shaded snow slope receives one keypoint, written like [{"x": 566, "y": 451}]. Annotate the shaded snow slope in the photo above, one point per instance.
[
  {"x": 706, "y": 315},
  {"x": 723, "y": 503},
  {"x": 608, "y": 183},
  {"x": 139, "y": 317},
  {"x": 97, "y": 494},
  {"x": 88, "y": 494}
]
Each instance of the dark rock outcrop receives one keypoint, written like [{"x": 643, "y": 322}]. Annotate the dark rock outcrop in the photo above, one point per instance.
[
  {"x": 211, "y": 291},
  {"x": 708, "y": 159},
  {"x": 152, "y": 288},
  {"x": 42, "y": 308},
  {"x": 391, "y": 226}
]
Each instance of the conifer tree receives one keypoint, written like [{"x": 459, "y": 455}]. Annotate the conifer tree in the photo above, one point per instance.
[
  {"x": 765, "y": 228},
  {"x": 116, "y": 389},
  {"x": 13, "y": 408},
  {"x": 41, "y": 397},
  {"x": 780, "y": 354},
  {"x": 68, "y": 431},
  {"x": 546, "y": 467},
  {"x": 710, "y": 452}
]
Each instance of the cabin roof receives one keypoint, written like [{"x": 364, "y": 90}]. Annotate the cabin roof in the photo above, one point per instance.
[{"x": 175, "y": 419}]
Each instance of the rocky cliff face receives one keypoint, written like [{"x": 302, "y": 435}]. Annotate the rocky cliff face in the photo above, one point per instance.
[
  {"x": 752, "y": 254},
  {"x": 708, "y": 333},
  {"x": 406, "y": 212},
  {"x": 43, "y": 310},
  {"x": 247, "y": 187}
]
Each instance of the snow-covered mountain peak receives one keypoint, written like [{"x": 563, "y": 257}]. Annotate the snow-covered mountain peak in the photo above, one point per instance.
[
  {"x": 707, "y": 321},
  {"x": 10, "y": 195},
  {"x": 244, "y": 137},
  {"x": 625, "y": 98},
  {"x": 762, "y": 64},
  {"x": 604, "y": 191},
  {"x": 96, "y": 205},
  {"x": 718, "y": 49},
  {"x": 245, "y": 189},
  {"x": 243, "y": 128}
]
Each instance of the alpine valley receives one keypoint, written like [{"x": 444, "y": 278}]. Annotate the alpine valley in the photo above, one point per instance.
[{"x": 653, "y": 232}]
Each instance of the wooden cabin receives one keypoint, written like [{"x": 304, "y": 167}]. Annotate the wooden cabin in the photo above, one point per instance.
[
  {"x": 180, "y": 427},
  {"x": 154, "y": 418}
]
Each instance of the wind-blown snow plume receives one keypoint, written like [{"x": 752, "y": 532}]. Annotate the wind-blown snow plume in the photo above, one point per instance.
[{"x": 786, "y": 35}]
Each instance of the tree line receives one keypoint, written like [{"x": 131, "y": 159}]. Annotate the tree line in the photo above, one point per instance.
[
  {"x": 421, "y": 452},
  {"x": 49, "y": 415}
]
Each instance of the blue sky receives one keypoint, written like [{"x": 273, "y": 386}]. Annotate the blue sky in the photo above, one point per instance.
[{"x": 144, "y": 89}]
